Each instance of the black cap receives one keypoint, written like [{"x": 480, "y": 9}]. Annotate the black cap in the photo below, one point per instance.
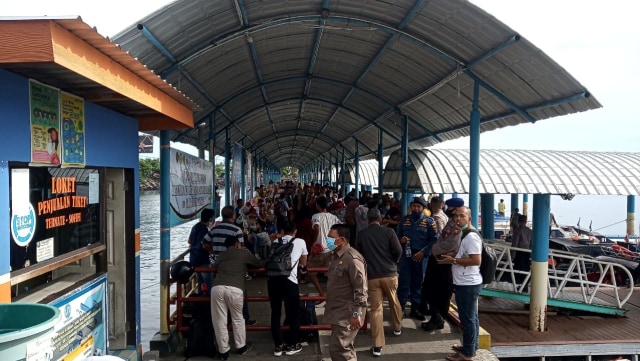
[{"x": 420, "y": 201}]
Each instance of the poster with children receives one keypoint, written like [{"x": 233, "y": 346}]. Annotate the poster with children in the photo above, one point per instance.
[
  {"x": 72, "y": 111},
  {"x": 44, "y": 105}
]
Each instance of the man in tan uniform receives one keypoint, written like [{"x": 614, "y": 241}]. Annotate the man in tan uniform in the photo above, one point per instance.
[{"x": 346, "y": 293}]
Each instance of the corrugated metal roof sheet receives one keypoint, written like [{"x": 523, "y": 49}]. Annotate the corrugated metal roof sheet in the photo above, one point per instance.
[
  {"x": 69, "y": 79},
  {"x": 518, "y": 171},
  {"x": 368, "y": 172},
  {"x": 271, "y": 70}
]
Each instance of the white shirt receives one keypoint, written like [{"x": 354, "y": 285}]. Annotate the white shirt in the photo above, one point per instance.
[
  {"x": 468, "y": 275},
  {"x": 325, "y": 220},
  {"x": 299, "y": 249}
]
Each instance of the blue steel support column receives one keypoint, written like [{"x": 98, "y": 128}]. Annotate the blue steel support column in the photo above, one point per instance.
[
  {"x": 441, "y": 196},
  {"x": 514, "y": 202},
  {"x": 357, "y": 166},
  {"x": 525, "y": 204},
  {"x": 254, "y": 173},
  {"x": 343, "y": 172},
  {"x": 631, "y": 211},
  {"x": 329, "y": 172},
  {"x": 243, "y": 175},
  {"x": 338, "y": 170},
  {"x": 486, "y": 202},
  {"x": 454, "y": 195},
  {"x": 474, "y": 155},
  {"x": 227, "y": 170},
  {"x": 165, "y": 227},
  {"x": 539, "y": 265},
  {"x": 396, "y": 196},
  {"x": 380, "y": 163},
  {"x": 405, "y": 163}
]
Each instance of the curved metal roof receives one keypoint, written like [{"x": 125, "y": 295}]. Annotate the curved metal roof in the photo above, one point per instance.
[
  {"x": 518, "y": 171},
  {"x": 292, "y": 80},
  {"x": 368, "y": 172}
]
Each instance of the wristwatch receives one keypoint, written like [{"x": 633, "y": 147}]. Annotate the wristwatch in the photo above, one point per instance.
[
  {"x": 455, "y": 261},
  {"x": 356, "y": 314}
]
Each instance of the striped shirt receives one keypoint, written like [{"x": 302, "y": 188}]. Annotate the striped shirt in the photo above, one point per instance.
[{"x": 218, "y": 234}]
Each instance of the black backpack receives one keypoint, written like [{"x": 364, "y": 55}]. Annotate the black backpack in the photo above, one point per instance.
[
  {"x": 489, "y": 262},
  {"x": 201, "y": 339},
  {"x": 280, "y": 209},
  {"x": 279, "y": 261}
]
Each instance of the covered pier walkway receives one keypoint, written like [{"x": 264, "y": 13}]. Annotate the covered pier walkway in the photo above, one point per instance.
[{"x": 318, "y": 85}]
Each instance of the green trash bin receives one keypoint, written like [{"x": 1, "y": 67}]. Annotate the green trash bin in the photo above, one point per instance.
[{"x": 22, "y": 324}]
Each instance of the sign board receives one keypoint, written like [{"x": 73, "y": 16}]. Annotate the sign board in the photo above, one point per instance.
[
  {"x": 191, "y": 186},
  {"x": 83, "y": 328}
]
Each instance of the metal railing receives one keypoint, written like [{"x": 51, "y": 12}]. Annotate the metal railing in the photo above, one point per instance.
[
  {"x": 586, "y": 276},
  {"x": 180, "y": 294}
]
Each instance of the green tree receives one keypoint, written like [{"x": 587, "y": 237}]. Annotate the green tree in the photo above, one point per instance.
[
  {"x": 148, "y": 166},
  {"x": 219, "y": 170}
]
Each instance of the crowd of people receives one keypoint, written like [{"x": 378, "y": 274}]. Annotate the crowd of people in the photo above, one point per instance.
[{"x": 371, "y": 248}]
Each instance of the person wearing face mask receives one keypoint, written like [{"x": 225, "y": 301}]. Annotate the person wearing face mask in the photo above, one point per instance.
[
  {"x": 438, "y": 281},
  {"x": 198, "y": 256},
  {"x": 468, "y": 284},
  {"x": 347, "y": 293},
  {"x": 417, "y": 233}
]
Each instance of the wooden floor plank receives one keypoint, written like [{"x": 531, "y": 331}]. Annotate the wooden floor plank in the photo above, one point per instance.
[{"x": 510, "y": 327}]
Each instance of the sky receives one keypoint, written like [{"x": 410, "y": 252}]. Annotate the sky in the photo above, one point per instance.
[{"x": 597, "y": 42}]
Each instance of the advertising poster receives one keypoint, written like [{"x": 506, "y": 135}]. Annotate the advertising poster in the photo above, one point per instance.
[
  {"x": 82, "y": 330},
  {"x": 72, "y": 111},
  {"x": 44, "y": 106},
  {"x": 191, "y": 186}
]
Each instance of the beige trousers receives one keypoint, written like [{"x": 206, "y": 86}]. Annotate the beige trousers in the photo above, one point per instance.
[
  {"x": 341, "y": 344},
  {"x": 379, "y": 288},
  {"x": 223, "y": 297}
]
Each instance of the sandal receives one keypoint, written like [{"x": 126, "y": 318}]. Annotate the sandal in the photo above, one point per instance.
[
  {"x": 457, "y": 347},
  {"x": 458, "y": 357}
]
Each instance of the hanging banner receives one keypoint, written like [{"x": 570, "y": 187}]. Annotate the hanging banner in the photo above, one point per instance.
[
  {"x": 248, "y": 178},
  {"x": 191, "y": 186},
  {"x": 44, "y": 106},
  {"x": 72, "y": 110},
  {"x": 236, "y": 174}
]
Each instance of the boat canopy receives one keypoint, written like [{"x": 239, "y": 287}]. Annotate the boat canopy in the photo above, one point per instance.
[{"x": 518, "y": 172}]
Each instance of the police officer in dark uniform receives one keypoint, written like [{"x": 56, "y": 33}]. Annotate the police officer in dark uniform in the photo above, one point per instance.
[{"x": 417, "y": 233}]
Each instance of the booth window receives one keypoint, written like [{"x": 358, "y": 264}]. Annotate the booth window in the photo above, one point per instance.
[{"x": 54, "y": 212}]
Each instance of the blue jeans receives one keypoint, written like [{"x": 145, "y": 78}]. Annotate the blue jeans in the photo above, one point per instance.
[
  {"x": 467, "y": 302},
  {"x": 205, "y": 278},
  {"x": 410, "y": 280}
]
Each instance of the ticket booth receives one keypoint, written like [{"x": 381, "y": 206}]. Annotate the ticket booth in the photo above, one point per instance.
[{"x": 71, "y": 106}]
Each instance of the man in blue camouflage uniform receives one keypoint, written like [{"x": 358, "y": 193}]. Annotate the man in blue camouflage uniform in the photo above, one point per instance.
[{"x": 417, "y": 233}]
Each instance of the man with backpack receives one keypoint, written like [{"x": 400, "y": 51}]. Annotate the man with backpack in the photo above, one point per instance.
[
  {"x": 467, "y": 281},
  {"x": 288, "y": 254}
]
